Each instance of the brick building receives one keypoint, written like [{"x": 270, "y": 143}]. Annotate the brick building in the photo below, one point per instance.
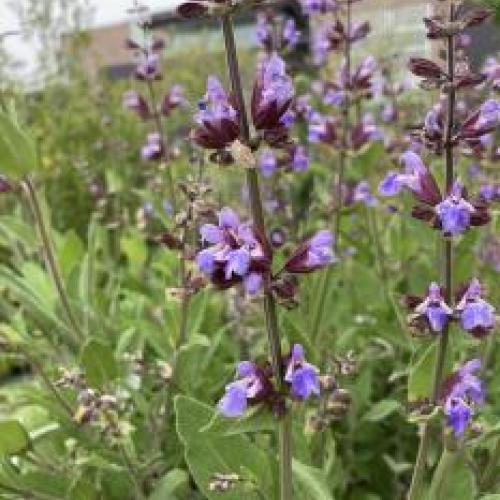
[{"x": 396, "y": 28}]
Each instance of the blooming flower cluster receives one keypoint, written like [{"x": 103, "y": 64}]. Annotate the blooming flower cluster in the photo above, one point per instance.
[
  {"x": 474, "y": 132},
  {"x": 238, "y": 254},
  {"x": 474, "y": 314},
  {"x": 453, "y": 213},
  {"x": 148, "y": 70},
  {"x": 273, "y": 35},
  {"x": 218, "y": 119},
  {"x": 463, "y": 391},
  {"x": 331, "y": 35},
  {"x": 254, "y": 384}
]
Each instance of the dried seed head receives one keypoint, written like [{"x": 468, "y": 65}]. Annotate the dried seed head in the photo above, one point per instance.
[
  {"x": 315, "y": 423},
  {"x": 165, "y": 371},
  {"x": 336, "y": 409},
  {"x": 328, "y": 383},
  {"x": 243, "y": 155}
]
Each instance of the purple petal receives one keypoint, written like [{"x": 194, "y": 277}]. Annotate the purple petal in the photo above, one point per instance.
[
  {"x": 211, "y": 234},
  {"x": 245, "y": 369},
  {"x": 234, "y": 402},
  {"x": 391, "y": 185},
  {"x": 238, "y": 262},
  {"x": 206, "y": 261},
  {"x": 305, "y": 382},
  {"x": 228, "y": 219},
  {"x": 253, "y": 283}
]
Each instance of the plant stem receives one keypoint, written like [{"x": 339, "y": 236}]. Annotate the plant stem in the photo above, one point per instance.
[
  {"x": 38, "y": 369},
  {"x": 324, "y": 284},
  {"x": 173, "y": 200},
  {"x": 50, "y": 257},
  {"x": 134, "y": 475},
  {"x": 447, "y": 264},
  {"x": 163, "y": 140},
  {"x": 270, "y": 313}
]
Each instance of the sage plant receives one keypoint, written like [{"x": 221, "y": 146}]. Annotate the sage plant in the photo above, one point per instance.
[
  {"x": 239, "y": 252},
  {"x": 147, "y": 48},
  {"x": 452, "y": 211},
  {"x": 348, "y": 89}
]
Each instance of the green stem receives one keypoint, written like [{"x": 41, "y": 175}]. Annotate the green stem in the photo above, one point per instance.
[
  {"x": 324, "y": 283},
  {"x": 161, "y": 132},
  {"x": 37, "y": 367},
  {"x": 382, "y": 267},
  {"x": 50, "y": 257},
  {"x": 419, "y": 470},
  {"x": 270, "y": 313},
  {"x": 134, "y": 475}
]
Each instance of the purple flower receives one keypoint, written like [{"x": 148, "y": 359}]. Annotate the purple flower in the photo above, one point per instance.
[
  {"x": 174, "y": 99},
  {"x": 236, "y": 254},
  {"x": 268, "y": 163},
  {"x": 454, "y": 212},
  {"x": 321, "y": 44},
  {"x": 462, "y": 392},
  {"x": 433, "y": 310},
  {"x": 363, "y": 194},
  {"x": 251, "y": 387},
  {"x": 334, "y": 97},
  {"x": 477, "y": 127},
  {"x": 433, "y": 129},
  {"x": 291, "y": 35},
  {"x": 476, "y": 315},
  {"x": 416, "y": 178},
  {"x": 319, "y": 6},
  {"x": 322, "y": 129},
  {"x": 459, "y": 414},
  {"x": 271, "y": 99},
  {"x": 153, "y": 148},
  {"x": 300, "y": 159},
  {"x": 365, "y": 131},
  {"x": 263, "y": 31},
  {"x": 489, "y": 192},
  {"x": 217, "y": 119},
  {"x": 302, "y": 376},
  {"x": 148, "y": 68},
  {"x": 389, "y": 113},
  {"x": 133, "y": 101},
  {"x": 315, "y": 253},
  {"x": 491, "y": 69}
]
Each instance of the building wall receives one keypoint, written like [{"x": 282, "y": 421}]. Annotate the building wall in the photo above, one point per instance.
[{"x": 106, "y": 48}]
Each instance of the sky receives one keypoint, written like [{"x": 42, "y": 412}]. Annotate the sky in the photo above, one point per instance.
[{"x": 105, "y": 12}]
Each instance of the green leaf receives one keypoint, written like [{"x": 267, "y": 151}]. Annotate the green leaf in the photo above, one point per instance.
[
  {"x": 174, "y": 484},
  {"x": 455, "y": 480},
  {"x": 13, "y": 438},
  {"x": 381, "y": 410},
  {"x": 365, "y": 161},
  {"x": 257, "y": 419},
  {"x": 421, "y": 375},
  {"x": 311, "y": 482},
  {"x": 71, "y": 252},
  {"x": 16, "y": 230},
  {"x": 17, "y": 149},
  {"x": 189, "y": 361},
  {"x": 208, "y": 454},
  {"x": 99, "y": 363},
  {"x": 133, "y": 247}
]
